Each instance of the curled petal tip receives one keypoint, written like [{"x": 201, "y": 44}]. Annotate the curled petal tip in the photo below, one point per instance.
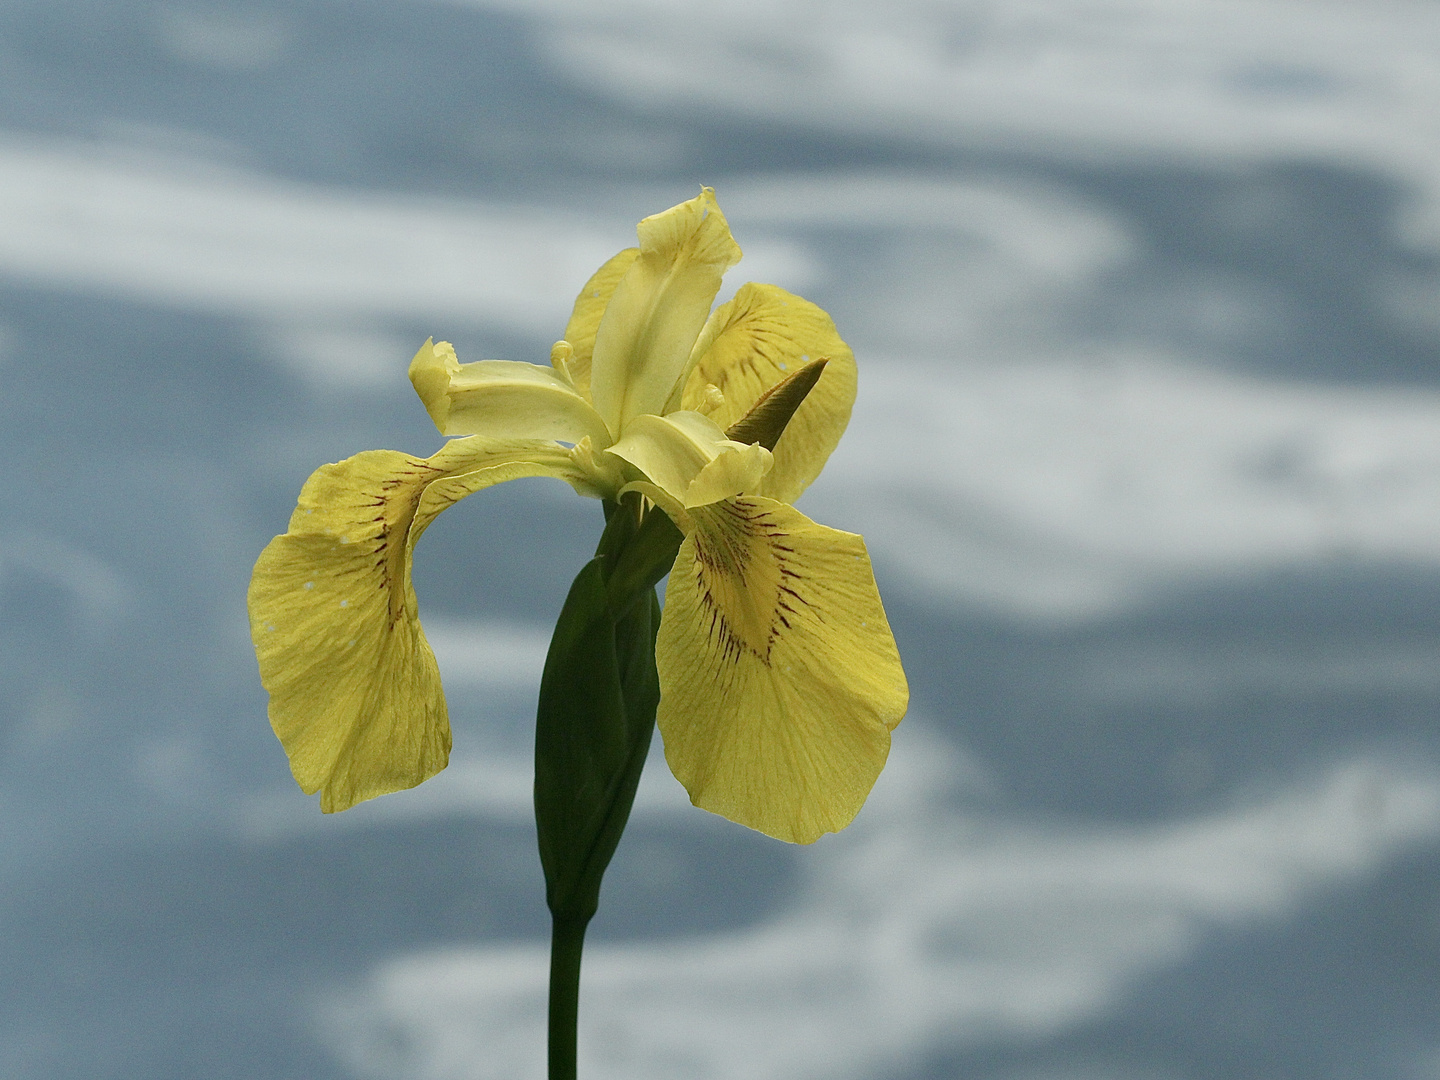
[{"x": 431, "y": 370}]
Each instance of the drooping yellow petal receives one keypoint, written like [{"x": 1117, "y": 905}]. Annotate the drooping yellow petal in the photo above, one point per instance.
[
  {"x": 355, "y": 695},
  {"x": 749, "y": 345},
  {"x": 585, "y": 318},
  {"x": 501, "y": 399},
  {"x": 779, "y": 677},
  {"x": 644, "y": 339}
]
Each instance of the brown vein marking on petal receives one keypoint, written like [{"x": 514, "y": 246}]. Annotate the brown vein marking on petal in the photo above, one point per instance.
[
  {"x": 399, "y": 499},
  {"x": 746, "y": 578}
]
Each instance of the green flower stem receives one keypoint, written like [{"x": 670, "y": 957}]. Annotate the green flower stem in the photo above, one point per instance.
[
  {"x": 593, "y": 726},
  {"x": 567, "y": 940}
]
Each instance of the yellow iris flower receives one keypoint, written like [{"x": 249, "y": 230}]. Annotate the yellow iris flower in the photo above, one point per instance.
[{"x": 780, "y": 681}]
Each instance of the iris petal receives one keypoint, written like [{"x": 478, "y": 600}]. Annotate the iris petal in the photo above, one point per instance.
[
  {"x": 501, "y": 399},
  {"x": 749, "y": 345},
  {"x": 671, "y": 450},
  {"x": 644, "y": 340},
  {"x": 355, "y": 695},
  {"x": 780, "y": 681},
  {"x": 589, "y": 308},
  {"x": 734, "y": 471}
]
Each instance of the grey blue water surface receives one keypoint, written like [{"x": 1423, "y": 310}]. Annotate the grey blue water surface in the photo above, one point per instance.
[{"x": 147, "y": 932}]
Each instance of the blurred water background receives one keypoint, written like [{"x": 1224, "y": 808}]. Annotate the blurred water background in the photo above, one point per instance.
[{"x": 1146, "y": 300}]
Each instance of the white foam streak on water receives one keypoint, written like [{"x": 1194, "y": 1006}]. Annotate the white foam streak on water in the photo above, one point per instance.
[
  {"x": 181, "y": 232},
  {"x": 918, "y": 930},
  {"x": 1218, "y": 81},
  {"x": 1069, "y": 487}
]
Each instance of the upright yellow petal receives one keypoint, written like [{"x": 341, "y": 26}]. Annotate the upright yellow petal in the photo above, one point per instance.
[
  {"x": 779, "y": 677},
  {"x": 501, "y": 399},
  {"x": 355, "y": 695},
  {"x": 748, "y": 346},
  {"x": 644, "y": 339},
  {"x": 589, "y": 308}
]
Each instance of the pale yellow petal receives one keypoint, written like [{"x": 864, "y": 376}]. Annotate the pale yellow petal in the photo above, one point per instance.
[
  {"x": 355, "y": 695},
  {"x": 736, "y": 470},
  {"x": 779, "y": 677},
  {"x": 749, "y": 345},
  {"x": 585, "y": 318},
  {"x": 671, "y": 450},
  {"x": 645, "y": 337},
  {"x": 501, "y": 399}
]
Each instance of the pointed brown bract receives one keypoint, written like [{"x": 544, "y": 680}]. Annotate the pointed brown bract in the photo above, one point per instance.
[{"x": 768, "y": 417}]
